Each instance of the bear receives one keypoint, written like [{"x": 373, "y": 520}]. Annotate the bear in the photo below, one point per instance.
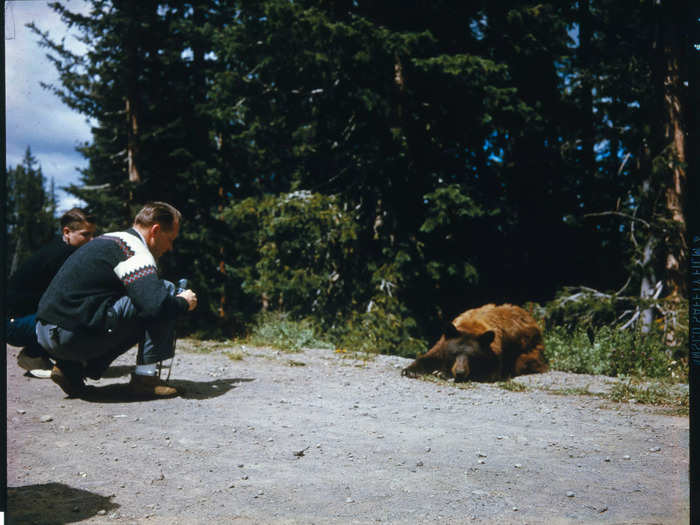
[{"x": 488, "y": 343}]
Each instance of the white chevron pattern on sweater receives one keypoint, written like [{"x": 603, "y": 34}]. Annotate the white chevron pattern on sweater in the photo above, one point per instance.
[{"x": 139, "y": 264}]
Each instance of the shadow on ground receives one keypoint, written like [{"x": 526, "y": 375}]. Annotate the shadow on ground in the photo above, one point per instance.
[
  {"x": 54, "y": 503},
  {"x": 119, "y": 393}
]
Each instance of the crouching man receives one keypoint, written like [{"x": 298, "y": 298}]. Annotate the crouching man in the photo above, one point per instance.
[{"x": 107, "y": 297}]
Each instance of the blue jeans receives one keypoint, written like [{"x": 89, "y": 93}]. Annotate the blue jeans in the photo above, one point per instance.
[
  {"x": 19, "y": 331},
  {"x": 124, "y": 328}
]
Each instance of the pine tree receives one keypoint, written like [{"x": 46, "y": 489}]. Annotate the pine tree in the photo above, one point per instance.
[
  {"x": 143, "y": 82},
  {"x": 30, "y": 221}
]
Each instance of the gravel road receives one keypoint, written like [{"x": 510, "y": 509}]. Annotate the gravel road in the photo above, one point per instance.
[{"x": 316, "y": 437}]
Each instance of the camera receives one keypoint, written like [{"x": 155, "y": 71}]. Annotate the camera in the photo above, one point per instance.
[{"x": 181, "y": 286}]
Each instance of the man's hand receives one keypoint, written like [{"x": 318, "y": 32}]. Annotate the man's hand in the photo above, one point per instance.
[{"x": 190, "y": 297}]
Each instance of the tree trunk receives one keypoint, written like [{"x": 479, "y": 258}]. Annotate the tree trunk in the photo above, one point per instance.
[
  {"x": 16, "y": 255},
  {"x": 648, "y": 283},
  {"x": 669, "y": 69},
  {"x": 132, "y": 106},
  {"x": 649, "y": 253},
  {"x": 132, "y": 140}
]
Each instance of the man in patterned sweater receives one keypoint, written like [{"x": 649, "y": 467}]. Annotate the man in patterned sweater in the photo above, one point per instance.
[{"x": 107, "y": 297}]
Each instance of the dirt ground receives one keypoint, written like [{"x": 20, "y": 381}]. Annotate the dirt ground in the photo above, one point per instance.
[{"x": 263, "y": 436}]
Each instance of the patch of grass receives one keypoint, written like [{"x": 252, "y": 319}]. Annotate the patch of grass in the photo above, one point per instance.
[
  {"x": 612, "y": 352},
  {"x": 430, "y": 378},
  {"x": 656, "y": 393},
  {"x": 234, "y": 355},
  {"x": 512, "y": 386},
  {"x": 442, "y": 380},
  {"x": 291, "y": 362},
  {"x": 573, "y": 391},
  {"x": 279, "y": 330},
  {"x": 356, "y": 355},
  {"x": 198, "y": 346}
]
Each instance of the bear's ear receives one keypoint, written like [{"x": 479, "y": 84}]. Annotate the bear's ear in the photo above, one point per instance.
[
  {"x": 451, "y": 332},
  {"x": 487, "y": 337}
]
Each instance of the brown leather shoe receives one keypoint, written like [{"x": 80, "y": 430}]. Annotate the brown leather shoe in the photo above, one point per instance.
[
  {"x": 150, "y": 386},
  {"x": 38, "y": 366},
  {"x": 70, "y": 380}
]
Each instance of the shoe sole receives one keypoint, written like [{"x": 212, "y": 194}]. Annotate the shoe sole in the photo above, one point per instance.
[{"x": 40, "y": 373}]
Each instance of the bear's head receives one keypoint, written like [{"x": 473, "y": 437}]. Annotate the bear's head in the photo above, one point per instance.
[{"x": 461, "y": 355}]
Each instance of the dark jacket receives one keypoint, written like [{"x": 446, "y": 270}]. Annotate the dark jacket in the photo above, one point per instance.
[{"x": 32, "y": 278}]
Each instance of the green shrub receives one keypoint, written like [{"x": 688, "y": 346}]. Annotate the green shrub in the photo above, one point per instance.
[
  {"x": 584, "y": 308},
  {"x": 594, "y": 332},
  {"x": 297, "y": 252},
  {"x": 385, "y": 324},
  {"x": 279, "y": 330},
  {"x": 574, "y": 352},
  {"x": 657, "y": 393},
  {"x": 613, "y": 352},
  {"x": 379, "y": 330}
]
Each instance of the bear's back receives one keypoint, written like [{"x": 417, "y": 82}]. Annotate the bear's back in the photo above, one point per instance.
[
  {"x": 491, "y": 317},
  {"x": 510, "y": 323}
]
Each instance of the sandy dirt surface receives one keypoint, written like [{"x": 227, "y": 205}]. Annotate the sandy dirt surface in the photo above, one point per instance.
[{"x": 263, "y": 436}]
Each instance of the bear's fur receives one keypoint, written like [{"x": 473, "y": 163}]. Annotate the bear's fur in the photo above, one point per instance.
[{"x": 486, "y": 344}]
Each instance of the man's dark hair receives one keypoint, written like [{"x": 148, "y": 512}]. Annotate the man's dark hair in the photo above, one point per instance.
[
  {"x": 75, "y": 218},
  {"x": 158, "y": 213}
]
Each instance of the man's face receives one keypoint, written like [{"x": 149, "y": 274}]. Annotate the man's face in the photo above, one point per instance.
[
  {"x": 161, "y": 240},
  {"x": 83, "y": 233}
]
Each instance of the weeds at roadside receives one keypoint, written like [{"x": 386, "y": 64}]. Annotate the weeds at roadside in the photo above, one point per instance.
[
  {"x": 203, "y": 346},
  {"x": 512, "y": 386},
  {"x": 573, "y": 391},
  {"x": 279, "y": 330},
  {"x": 234, "y": 355},
  {"x": 657, "y": 393},
  {"x": 365, "y": 357}
]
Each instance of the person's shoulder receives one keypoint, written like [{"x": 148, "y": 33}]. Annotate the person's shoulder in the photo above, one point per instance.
[
  {"x": 56, "y": 242},
  {"x": 48, "y": 258},
  {"x": 128, "y": 241},
  {"x": 106, "y": 240},
  {"x": 55, "y": 247}
]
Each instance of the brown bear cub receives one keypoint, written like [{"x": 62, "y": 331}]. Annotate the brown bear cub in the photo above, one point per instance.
[{"x": 486, "y": 344}]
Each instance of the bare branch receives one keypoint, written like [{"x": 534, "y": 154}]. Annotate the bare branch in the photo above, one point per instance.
[
  {"x": 619, "y": 213},
  {"x": 96, "y": 187},
  {"x": 631, "y": 321},
  {"x": 624, "y": 161},
  {"x": 629, "y": 280}
]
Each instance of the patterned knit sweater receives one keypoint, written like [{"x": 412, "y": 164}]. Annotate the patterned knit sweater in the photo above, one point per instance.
[{"x": 100, "y": 272}]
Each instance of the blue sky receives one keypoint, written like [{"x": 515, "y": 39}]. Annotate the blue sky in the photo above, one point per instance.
[{"x": 36, "y": 117}]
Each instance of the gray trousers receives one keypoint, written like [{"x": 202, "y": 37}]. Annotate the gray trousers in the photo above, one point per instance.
[{"x": 156, "y": 338}]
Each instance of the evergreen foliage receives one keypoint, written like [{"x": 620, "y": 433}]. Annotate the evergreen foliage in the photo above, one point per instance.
[{"x": 30, "y": 211}]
